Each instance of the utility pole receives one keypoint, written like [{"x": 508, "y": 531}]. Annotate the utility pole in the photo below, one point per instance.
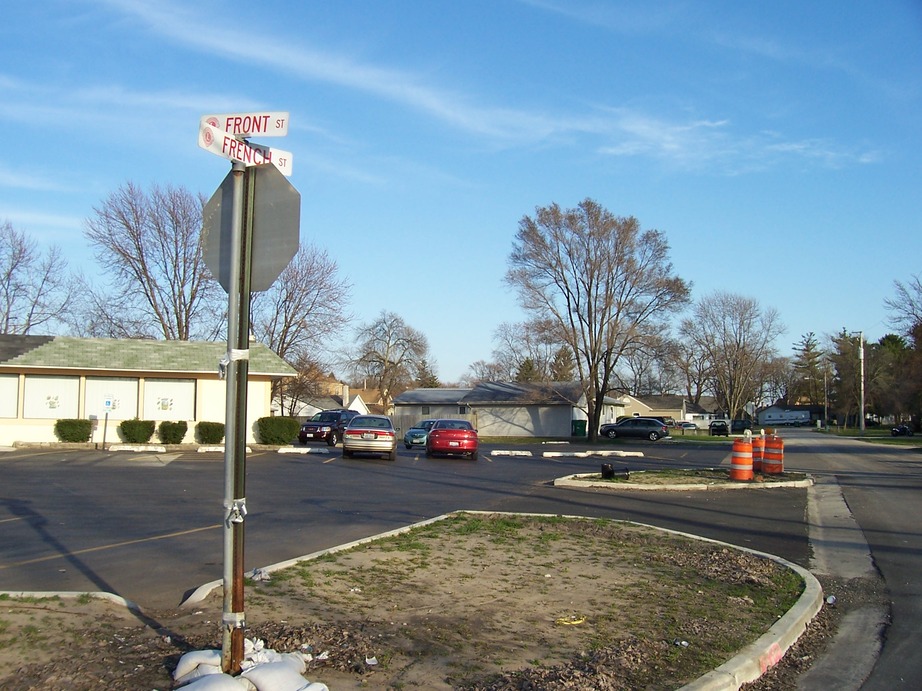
[{"x": 861, "y": 363}]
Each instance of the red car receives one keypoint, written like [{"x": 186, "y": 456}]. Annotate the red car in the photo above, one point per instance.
[{"x": 452, "y": 437}]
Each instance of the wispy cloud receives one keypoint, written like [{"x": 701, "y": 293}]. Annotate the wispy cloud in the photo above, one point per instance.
[
  {"x": 691, "y": 144},
  {"x": 312, "y": 64},
  {"x": 621, "y": 18},
  {"x": 52, "y": 223},
  {"x": 17, "y": 180},
  {"x": 715, "y": 146}
]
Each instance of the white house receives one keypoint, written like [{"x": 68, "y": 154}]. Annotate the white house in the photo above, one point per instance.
[
  {"x": 508, "y": 409},
  {"x": 47, "y": 378}
]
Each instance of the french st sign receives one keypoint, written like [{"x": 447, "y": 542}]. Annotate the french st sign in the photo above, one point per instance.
[{"x": 230, "y": 145}]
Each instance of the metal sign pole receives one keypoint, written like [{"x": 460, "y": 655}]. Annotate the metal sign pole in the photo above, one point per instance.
[{"x": 238, "y": 327}]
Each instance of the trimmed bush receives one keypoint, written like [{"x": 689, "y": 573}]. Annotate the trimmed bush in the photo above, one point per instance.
[
  {"x": 137, "y": 431},
  {"x": 277, "y": 430},
  {"x": 210, "y": 432},
  {"x": 172, "y": 432},
  {"x": 73, "y": 430}
]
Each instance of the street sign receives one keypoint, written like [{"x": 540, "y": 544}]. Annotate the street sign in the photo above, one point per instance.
[
  {"x": 214, "y": 139},
  {"x": 276, "y": 228},
  {"x": 251, "y": 228},
  {"x": 271, "y": 124}
]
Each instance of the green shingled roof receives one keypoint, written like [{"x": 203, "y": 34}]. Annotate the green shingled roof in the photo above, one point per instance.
[{"x": 134, "y": 355}]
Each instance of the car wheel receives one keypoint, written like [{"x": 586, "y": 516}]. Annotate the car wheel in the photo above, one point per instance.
[
  {"x": 392, "y": 456},
  {"x": 409, "y": 446},
  {"x": 428, "y": 453},
  {"x": 473, "y": 455},
  {"x": 347, "y": 453},
  {"x": 611, "y": 434},
  {"x": 332, "y": 439},
  {"x": 653, "y": 436}
]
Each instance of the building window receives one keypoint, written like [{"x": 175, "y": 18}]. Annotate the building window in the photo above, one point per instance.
[
  {"x": 463, "y": 409},
  {"x": 424, "y": 410}
]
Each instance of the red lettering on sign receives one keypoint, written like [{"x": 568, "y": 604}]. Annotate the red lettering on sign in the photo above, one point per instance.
[
  {"x": 246, "y": 124},
  {"x": 240, "y": 150}
]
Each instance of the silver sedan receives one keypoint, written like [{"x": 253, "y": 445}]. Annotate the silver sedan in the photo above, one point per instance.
[{"x": 370, "y": 434}]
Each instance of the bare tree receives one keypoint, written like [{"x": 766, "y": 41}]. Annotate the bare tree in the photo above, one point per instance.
[
  {"x": 304, "y": 307},
  {"x": 483, "y": 371},
  {"x": 777, "y": 380},
  {"x": 738, "y": 337},
  {"x": 297, "y": 316},
  {"x": 602, "y": 281},
  {"x": 649, "y": 368},
  {"x": 535, "y": 341},
  {"x": 390, "y": 352},
  {"x": 306, "y": 386},
  {"x": 35, "y": 289},
  {"x": 148, "y": 248},
  {"x": 906, "y": 305},
  {"x": 692, "y": 368}
]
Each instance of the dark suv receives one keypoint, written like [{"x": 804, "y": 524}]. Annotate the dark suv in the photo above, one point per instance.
[
  {"x": 739, "y": 426},
  {"x": 718, "y": 428},
  {"x": 327, "y": 426}
]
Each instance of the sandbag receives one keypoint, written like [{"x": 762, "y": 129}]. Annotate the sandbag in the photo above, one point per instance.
[{"x": 188, "y": 662}]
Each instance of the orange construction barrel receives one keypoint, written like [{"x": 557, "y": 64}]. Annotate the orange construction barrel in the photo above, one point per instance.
[
  {"x": 741, "y": 460},
  {"x": 758, "y": 450},
  {"x": 773, "y": 460}
]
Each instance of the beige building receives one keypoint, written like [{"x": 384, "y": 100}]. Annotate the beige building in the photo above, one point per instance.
[{"x": 47, "y": 378}]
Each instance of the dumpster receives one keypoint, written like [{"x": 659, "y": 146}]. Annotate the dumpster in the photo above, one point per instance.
[{"x": 578, "y": 428}]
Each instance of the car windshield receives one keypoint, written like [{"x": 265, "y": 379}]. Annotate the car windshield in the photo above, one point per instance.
[
  {"x": 453, "y": 424},
  {"x": 370, "y": 421},
  {"x": 327, "y": 417}
]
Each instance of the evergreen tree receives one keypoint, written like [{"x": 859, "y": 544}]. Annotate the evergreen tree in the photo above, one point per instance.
[{"x": 527, "y": 371}]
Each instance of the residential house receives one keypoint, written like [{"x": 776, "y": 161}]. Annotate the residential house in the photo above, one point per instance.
[
  {"x": 418, "y": 404},
  {"x": 508, "y": 409},
  {"x": 671, "y": 407}
]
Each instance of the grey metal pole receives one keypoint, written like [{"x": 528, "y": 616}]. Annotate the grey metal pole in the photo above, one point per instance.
[
  {"x": 861, "y": 362},
  {"x": 238, "y": 321}
]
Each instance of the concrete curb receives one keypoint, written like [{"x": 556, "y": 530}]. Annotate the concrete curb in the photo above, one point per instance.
[
  {"x": 69, "y": 594},
  {"x": 572, "y": 481},
  {"x": 323, "y": 451},
  {"x": 150, "y": 448},
  {"x": 593, "y": 454},
  {"x": 755, "y": 659}
]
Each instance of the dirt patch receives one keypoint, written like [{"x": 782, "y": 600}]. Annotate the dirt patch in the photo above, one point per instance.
[{"x": 471, "y": 602}]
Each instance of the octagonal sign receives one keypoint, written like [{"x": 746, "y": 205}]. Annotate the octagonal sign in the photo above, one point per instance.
[{"x": 276, "y": 227}]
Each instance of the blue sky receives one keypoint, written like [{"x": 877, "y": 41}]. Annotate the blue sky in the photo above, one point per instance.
[{"x": 777, "y": 145}]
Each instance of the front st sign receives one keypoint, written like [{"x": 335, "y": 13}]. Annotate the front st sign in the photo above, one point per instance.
[{"x": 269, "y": 124}]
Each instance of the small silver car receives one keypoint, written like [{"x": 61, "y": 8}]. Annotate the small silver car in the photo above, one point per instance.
[{"x": 370, "y": 434}]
